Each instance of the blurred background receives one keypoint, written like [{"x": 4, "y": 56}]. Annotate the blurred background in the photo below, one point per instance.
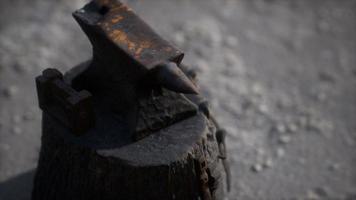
[{"x": 280, "y": 76}]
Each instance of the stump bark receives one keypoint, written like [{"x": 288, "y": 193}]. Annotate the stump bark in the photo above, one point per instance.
[{"x": 180, "y": 161}]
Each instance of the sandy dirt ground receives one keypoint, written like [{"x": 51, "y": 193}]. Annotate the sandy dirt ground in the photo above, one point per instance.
[{"x": 280, "y": 76}]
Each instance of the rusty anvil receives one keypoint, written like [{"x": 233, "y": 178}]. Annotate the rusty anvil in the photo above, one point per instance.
[
  {"x": 129, "y": 62},
  {"x": 123, "y": 43}
]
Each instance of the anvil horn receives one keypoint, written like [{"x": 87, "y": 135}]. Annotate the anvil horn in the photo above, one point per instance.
[{"x": 170, "y": 76}]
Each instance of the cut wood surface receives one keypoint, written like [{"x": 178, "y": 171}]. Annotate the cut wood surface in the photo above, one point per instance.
[{"x": 168, "y": 164}]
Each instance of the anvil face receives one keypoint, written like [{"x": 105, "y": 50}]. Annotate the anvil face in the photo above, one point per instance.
[{"x": 124, "y": 29}]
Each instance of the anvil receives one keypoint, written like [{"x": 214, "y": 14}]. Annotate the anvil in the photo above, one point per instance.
[{"x": 130, "y": 62}]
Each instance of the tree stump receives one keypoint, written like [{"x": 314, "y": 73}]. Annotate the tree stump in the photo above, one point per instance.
[{"x": 178, "y": 162}]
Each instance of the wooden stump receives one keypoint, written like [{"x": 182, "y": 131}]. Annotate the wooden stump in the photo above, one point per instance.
[{"x": 178, "y": 162}]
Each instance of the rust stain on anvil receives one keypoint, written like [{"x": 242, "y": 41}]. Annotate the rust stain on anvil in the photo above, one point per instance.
[{"x": 124, "y": 28}]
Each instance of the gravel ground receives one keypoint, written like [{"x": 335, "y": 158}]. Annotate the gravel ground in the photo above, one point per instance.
[{"x": 280, "y": 75}]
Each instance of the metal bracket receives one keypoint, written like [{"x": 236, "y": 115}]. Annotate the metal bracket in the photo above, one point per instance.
[
  {"x": 71, "y": 108},
  {"x": 220, "y": 137},
  {"x": 201, "y": 167}
]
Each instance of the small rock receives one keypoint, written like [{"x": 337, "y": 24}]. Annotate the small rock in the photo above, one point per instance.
[
  {"x": 320, "y": 125},
  {"x": 256, "y": 168},
  {"x": 10, "y": 91},
  {"x": 268, "y": 163},
  {"x": 263, "y": 108},
  {"x": 311, "y": 195},
  {"x": 280, "y": 152},
  {"x": 260, "y": 151},
  {"x": 16, "y": 119},
  {"x": 257, "y": 89},
  {"x": 281, "y": 128},
  {"x": 231, "y": 59},
  {"x": 321, "y": 191},
  {"x": 16, "y": 130},
  {"x": 292, "y": 127},
  {"x": 179, "y": 38},
  {"x": 284, "y": 139},
  {"x": 334, "y": 166},
  {"x": 81, "y": 10},
  {"x": 21, "y": 69}
]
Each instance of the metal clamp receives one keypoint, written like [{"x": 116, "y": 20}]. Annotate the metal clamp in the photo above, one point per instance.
[
  {"x": 71, "y": 108},
  {"x": 220, "y": 137},
  {"x": 202, "y": 171}
]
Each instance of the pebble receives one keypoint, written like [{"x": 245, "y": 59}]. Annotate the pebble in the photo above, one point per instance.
[
  {"x": 10, "y": 91},
  {"x": 284, "y": 139},
  {"x": 268, "y": 163},
  {"x": 179, "y": 38},
  {"x": 322, "y": 126},
  {"x": 257, "y": 89},
  {"x": 334, "y": 166},
  {"x": 256, "y": 168},
  {"x": 231, "y": 59},
  {"x": 280, "y": 152},
  {"x": 16, "y": 130},
  {"x": 281, "y": 128},
  {"x": 321, "y": 191},
  {"x": 263, "y": 108},
  {"x": 311, "y": 195},
  {"x": 20, "y": 69},
  {"x": 81, "y": 10},
  {"x": 292, "y": 127},
  {"x": 16, "y": 119}
]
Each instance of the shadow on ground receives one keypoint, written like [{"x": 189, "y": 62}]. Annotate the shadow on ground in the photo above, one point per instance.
[{"x": 18, "y": 187}]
